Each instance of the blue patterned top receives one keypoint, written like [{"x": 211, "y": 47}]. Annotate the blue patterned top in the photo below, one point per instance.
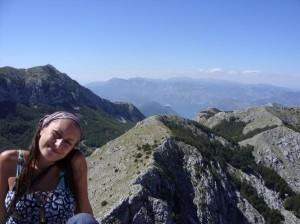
[{"x": 57, "y": 205}]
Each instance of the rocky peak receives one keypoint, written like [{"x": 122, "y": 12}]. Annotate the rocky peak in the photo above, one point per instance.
[{"x": 42, "y": 70}]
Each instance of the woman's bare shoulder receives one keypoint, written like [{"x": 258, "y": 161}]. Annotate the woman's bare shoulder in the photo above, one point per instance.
[
  {"x": 9, "y": 155},
  {"x": 12, "y": 154},
  {"x": 8, "y": 161}
]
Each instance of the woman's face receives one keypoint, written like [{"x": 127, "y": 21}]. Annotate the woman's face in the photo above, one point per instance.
[{"x": 58, "y": 139}]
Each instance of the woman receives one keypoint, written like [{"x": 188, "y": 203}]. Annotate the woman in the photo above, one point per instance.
[{"x": 48, "y": 182}]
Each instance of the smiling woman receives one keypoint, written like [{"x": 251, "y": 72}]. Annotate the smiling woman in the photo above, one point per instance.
[{"x": 48, "y": 182}]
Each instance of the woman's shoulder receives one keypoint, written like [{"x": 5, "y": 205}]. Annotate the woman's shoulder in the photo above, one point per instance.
[
  {"x": 8, "y": 160},
  {"x": 11, "y": 155}
]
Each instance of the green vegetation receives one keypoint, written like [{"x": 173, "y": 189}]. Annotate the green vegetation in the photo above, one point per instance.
[
  {"x": 293, "y": 204},
  {"x": 294, "y": 127},
  {"x": 99, "y": 127},
  {"x": 241, "y": 158},
  {"x": 274, "y": 182},
  {"x": 271, "y": 216},
  {"x": 233, "y": 130},
  {"x": 18, "y": 124}
]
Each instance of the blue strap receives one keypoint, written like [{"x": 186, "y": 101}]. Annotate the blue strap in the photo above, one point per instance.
[
  {"x": 61, "y": 181},
  {"x": 20, "y": 162}
]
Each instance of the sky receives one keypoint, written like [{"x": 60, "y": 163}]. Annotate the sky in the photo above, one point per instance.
[{"x": 250, "y": 41}]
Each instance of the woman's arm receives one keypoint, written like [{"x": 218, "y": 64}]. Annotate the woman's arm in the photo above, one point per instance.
[
  {"x": 7, "y": 162},
  {"x": 79, "y": 169}
]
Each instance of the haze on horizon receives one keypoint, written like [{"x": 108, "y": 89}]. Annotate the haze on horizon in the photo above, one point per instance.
[{"x": 244, "y": 41}]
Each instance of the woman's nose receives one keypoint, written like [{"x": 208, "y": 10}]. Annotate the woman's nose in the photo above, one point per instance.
[{"x": 58, "y": 142}]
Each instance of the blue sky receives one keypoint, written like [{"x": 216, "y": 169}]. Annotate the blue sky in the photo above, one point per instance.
[{"x": 251, "y": 41}]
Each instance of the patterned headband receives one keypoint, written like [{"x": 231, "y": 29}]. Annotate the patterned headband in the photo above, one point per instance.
[{"x": 48, "y": 118}]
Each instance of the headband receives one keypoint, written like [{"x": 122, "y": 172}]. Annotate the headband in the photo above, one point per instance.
[{"x": 48, "y": 118}]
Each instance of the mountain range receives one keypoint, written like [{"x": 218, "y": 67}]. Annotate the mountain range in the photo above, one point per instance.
[
  {"x": 223, "y": 167},
  {"x": 187, "y": 96},
  {"x": 27, "y": 94}
]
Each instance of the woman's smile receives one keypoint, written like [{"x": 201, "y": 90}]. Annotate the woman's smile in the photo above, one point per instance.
[{"x": 55, "y": 150}]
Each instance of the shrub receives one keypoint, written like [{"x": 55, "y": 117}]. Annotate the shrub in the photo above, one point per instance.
[
  {"x": 231, "y": 129},
  {"x": 293, "y": 204},
  {"x": 138, "y": 155},
  {"x": 146, "y": 147},
  {"x": 274, "y": 181},
  {"x": 104, "y": 203},
  {"x": 271, "y": 216}
]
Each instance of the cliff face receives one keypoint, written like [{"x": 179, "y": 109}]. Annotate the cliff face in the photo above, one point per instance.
[{"x": 170, "y": 170}]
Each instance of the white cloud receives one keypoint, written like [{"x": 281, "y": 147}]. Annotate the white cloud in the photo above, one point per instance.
[
  {"x": 249, "y": 72},
  {"x": 215, "y": 70}
]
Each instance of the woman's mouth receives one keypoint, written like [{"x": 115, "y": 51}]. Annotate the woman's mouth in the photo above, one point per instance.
[{"x": 54, "y": 150}]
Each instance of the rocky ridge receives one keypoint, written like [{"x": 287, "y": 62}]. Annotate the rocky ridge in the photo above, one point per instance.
[
  {"x": 148, "y": 175},
  {"x": 275, "y": 136}
]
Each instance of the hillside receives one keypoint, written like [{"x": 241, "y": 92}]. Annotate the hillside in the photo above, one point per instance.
[
  {"x": 172, "y": 170},
  {"x": 27, "y": 94}
]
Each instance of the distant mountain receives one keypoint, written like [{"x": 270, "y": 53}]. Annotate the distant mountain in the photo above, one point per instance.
[
  {"x": 187, "y": 96},
  {"x": 27, "y": 94}
]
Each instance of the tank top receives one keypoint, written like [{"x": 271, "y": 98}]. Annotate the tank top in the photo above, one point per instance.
[{"x": 58, "y": 205}]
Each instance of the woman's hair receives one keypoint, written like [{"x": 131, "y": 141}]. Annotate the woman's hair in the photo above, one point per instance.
[{"x": 23, "y": 183}]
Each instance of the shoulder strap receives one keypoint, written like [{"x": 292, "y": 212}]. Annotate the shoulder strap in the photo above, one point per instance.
[
  {"x": 20, "y": 162},
  {"x": 61, "y": 181}
]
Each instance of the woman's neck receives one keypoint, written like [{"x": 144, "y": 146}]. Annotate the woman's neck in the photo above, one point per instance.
[{"x": 42, "y": 163}]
